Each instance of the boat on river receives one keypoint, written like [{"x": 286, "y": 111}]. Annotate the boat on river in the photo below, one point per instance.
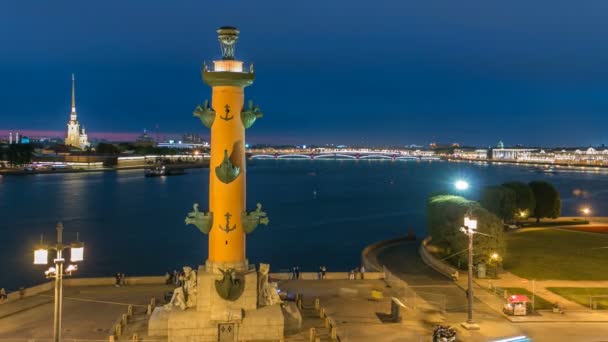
[
  {"x": 549, "y": 169},
  {"x": 163, "y": 170}
]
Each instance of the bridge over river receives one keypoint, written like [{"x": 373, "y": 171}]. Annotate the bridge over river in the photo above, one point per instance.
[{"x": 342, "y": 155}]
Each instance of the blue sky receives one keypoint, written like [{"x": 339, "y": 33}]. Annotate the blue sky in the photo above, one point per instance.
[{"x": 355, "y": 72}]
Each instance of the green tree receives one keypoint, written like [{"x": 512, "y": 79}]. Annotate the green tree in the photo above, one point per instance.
[
  {"x": 19, "y": 154},
  {"x": 500, "y": 201},
  {"x": 104, "y": 148},
  {"x": 524, "y": 197},
  {"x": 548, "y": 201},
  {"x": 445, "y": 215}
]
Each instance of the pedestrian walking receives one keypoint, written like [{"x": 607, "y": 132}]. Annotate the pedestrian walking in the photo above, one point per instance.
[
  {"x": 293, "y": 272},
  {"x": 323, "y": 271},
  {"x": 117, "y": 277},
  {"x": 123, "y": 279},
  {"x": 3, "y": 295},
  {"x": 362, "y": 272},
  {"x": 297, "y": 272}
]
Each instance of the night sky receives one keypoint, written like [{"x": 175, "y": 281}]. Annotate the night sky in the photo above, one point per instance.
[{"x": 332, "y": 71}]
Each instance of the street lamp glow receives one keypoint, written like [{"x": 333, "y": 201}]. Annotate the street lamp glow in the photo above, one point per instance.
[
  {"x": 50, "y": 272},
  {"x": 71, "y": 268},
  {"x": 77, "y": 253},
  {"x": 470, "y": 223},
  {"x": 586, "y": 211},
  {"x": 41, "y": 256},
  {"x": 494, "y": 256},
  {"x": 461, "y": 185}
]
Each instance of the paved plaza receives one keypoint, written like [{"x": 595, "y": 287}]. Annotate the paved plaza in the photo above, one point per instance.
[{"x": 90, "y": 312}]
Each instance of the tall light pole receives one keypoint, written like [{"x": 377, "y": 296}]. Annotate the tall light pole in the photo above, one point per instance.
[
  {"x": 470, "y": 228},
  {"x": 41, "y": 257},
  {"x": 586, "y": 211}
]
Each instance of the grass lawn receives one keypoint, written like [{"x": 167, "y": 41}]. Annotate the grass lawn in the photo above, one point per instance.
[
  {"x": 581, "y": 295},
  {"x": 603, "y": 229},
  {"x": 556, "y": 222},
  {"x": 546, "y": 253},
  {"x": 539, "y": 302}
]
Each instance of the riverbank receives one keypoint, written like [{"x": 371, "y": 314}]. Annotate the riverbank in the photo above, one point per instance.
[
  {"x": 23, "y": 172},
  {"x": 541, "y": 165}
]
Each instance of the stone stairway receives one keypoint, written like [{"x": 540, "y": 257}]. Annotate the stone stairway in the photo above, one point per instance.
[{"x": 310, "y": 319}]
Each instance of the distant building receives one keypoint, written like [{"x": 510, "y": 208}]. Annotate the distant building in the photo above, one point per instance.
[
  {"x": 480, "y": 154},
  {"x": 192, "y": 138},
  {"x": 75, "y": 136},
  {"x": 145, "y": 140},
  {"x": 180, "y": 144},
  {"x": 589, "y": 156},
  {"x": 509, "y": 153}
]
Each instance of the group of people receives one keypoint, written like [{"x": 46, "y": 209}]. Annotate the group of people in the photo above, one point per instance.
[
  {"x": 322, "y": 272},
  {"x": 354, "y": 273},
  {"x": 295, "y": 272},
  {"x": 176, "y": 278},
  {"x": 120, "y": 279}
]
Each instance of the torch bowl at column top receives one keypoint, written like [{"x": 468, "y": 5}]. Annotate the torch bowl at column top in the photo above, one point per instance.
[
  {"x": 228, "y": 28},
  {"x": 228, "y": 31}
]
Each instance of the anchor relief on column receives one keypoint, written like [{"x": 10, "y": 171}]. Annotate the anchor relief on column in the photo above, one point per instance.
[
  {"x": 205, "y": 113},
  {"x": 227, "y": 172},
  {"x": 203, "y": 221},
  {"x": 249, "y": 116},
  {"x": 252, "y": 219}
]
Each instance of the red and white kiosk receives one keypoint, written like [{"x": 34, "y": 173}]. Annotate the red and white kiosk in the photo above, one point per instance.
[{"x": 516, "y": 305}]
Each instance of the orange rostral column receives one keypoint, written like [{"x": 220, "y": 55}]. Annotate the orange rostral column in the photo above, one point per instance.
[{"x": 227, "y": 221}]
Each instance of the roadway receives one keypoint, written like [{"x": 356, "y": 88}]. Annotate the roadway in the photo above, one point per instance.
[{"x": 403, "y": 260}]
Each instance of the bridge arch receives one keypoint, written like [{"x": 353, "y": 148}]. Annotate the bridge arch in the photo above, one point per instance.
[
  {"x": 334, "y": 156},
  {"x": 262, "y": 156},
  {"x": 376, "y": 157},
  {"x": 293, "y": 156}
]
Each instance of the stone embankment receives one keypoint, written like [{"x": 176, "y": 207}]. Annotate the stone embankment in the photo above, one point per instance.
[
  {"x": 434, "y": 263},
  {"x": 369, "y": 255}
]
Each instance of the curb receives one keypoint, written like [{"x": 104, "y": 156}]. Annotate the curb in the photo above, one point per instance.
[{"x": 2, "y": 316}]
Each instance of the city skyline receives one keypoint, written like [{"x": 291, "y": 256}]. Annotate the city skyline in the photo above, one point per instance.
[{"x": 452, "y": 73}]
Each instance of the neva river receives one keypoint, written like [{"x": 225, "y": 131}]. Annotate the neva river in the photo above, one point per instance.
[{"x": 321, "y": 212}]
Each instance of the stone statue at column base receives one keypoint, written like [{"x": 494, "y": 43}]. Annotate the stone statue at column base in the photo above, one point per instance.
[
  {"x": 184, "y": 296},
  {"x": 267, "y": 292}
]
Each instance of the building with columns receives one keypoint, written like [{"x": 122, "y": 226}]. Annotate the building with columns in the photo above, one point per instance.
[{"x": 75, "y": 136}]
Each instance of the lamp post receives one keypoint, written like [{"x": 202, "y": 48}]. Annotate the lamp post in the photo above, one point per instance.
[
  {"x": 495, "y": 258},
  {"x": 470, "y": 228},
  {"x": 586, "y": 211},
  {"x": 41, "y": 254}
]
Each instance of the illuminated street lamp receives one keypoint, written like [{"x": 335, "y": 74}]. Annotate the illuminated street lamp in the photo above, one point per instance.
[
  {"x": 495, "y": 259},
  {"x": 41, "y": 257},
  {"x": 461, "y": 185},
  {"x": 470, "y": 228},
  {"x": 586, "y": 211}
]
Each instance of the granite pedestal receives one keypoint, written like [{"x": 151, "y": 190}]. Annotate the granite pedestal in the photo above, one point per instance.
[{"x": 217, "y": 319}]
